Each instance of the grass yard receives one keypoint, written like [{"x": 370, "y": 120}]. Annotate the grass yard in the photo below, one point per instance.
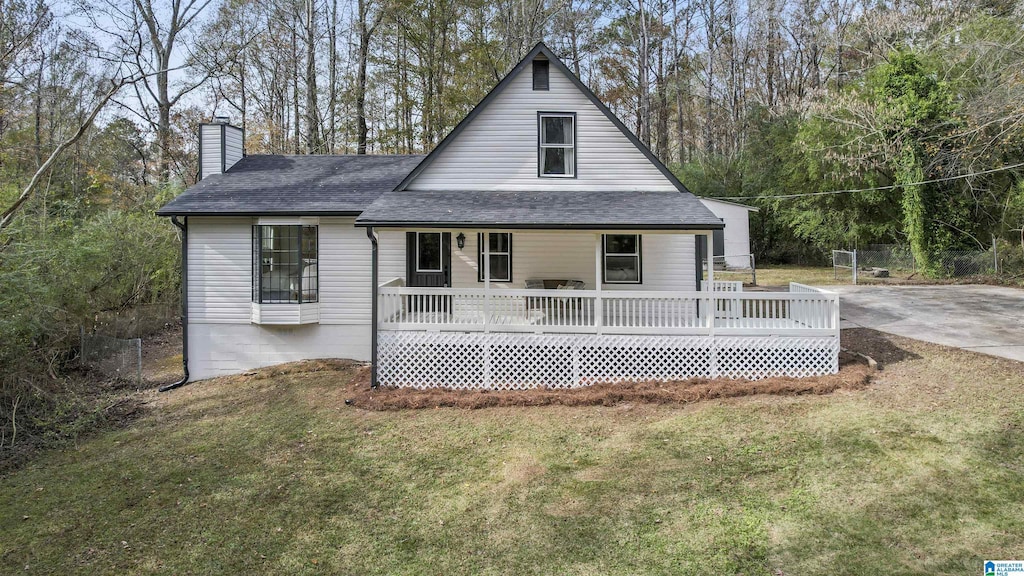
[{"x": 921, "y": 473}]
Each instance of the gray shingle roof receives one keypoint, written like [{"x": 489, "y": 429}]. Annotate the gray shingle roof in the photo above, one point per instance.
[
  {"x": 541, "y": 209},
  {"x": 279, "y": 184}
]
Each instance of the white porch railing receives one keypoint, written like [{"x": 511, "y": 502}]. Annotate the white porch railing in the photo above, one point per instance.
[
  {"x": 803, "y": 311},
  {"x": 518, "y": 339}
]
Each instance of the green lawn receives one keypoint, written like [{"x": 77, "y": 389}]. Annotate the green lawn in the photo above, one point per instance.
[{"x": 923, "y": 473}]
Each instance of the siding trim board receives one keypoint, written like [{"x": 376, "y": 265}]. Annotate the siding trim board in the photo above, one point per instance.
[{"x": 538, "y": 50}]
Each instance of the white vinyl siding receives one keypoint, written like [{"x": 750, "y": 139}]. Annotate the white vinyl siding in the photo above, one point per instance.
[
  {"x": 221, "y": 349},
  {"x": 498, "y": 150},
  {"x": 737, "y": 231},
  {"x": 233, "y": 146},
  {"x": 391, "y": 261},
  {"x": 209, "y": 145},
  {"x": 344, "y": 272},
  {"x": 219, "y": 270},
  {"x": 216, "y": 140},
  {"x": 668, "y": 259},
  {"x": 222, "y": 337}
]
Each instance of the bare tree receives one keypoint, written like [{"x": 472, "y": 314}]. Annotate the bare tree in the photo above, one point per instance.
[
  {"x": 368, "y": 18},
  {"x": 154, "y": 36}
]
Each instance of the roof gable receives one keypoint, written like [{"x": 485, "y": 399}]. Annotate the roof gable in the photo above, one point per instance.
[{"x": 494, "y": 146}]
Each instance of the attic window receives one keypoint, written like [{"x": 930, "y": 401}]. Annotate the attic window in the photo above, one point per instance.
[
  {"x": 557, "y": 145},
  {"x": 540, "y": 74}
]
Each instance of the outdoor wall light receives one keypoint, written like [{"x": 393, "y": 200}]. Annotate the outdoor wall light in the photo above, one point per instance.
[{"x": 461, "y": 240}]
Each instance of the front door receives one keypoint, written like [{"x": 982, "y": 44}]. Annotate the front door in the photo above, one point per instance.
[
  {"x": 429, "y": 262},
  {"x": 429, "y": 265}
]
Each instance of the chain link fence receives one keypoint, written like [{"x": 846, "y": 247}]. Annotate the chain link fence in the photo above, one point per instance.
[
  {"x": 897, "y": 259},
  {"x": 118, "y": 358}
]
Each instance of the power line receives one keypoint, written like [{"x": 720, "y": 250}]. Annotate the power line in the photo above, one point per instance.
[{"x": 889, "y": 187}]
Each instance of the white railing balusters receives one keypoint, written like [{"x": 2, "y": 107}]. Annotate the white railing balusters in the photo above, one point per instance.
[{"x": 802, "y": 311}]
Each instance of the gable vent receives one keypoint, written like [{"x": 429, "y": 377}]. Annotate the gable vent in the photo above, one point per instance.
[{"x": 540, "y": 74}]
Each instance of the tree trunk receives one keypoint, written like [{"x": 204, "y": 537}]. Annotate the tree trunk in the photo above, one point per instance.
[
  {"x": 312, "y": 118},
  {"x": 363, "y": 56},
  {"x": 332, "y": 107}
]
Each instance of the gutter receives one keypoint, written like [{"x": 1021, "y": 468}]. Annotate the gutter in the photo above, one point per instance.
[
  {"x": 373, "y": 305},
  {"x": 183, "y": 226}
]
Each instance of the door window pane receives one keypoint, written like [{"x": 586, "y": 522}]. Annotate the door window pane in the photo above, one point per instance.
[{"x": 428, "y": 252}]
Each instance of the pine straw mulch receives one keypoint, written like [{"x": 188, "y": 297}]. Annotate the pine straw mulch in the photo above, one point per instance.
[{"x": 854, "y": 374}]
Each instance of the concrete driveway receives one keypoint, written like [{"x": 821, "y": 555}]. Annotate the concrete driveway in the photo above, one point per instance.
[{"x": 986, "y": 319}]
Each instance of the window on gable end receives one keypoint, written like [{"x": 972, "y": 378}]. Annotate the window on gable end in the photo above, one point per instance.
[{"x": 557, "y": 145}]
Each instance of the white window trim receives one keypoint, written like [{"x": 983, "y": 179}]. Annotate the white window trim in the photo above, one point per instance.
[
  {"x": 638, "y": 255},
  {"x": 440, "y": 256},
  {"x": 541, "y": 145},
  {"x": 485, "y": 237},
  {"x": 269, "y": 224}
]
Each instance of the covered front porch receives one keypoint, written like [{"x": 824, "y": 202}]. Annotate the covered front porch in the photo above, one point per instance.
[
  {"x": 484, "y": 333},
  {"x": 504, "y": 290}
]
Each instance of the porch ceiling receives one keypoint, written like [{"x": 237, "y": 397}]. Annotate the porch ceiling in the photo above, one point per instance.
[{"x": 549, "y": 209}]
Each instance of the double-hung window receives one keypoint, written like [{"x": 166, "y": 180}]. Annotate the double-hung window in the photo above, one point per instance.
[
  {"x": 622, "y": 259},
  {"x": 501, "y": 256},
  {"x": 557, "y": 145},
  {"x": 285, "y": 264}
]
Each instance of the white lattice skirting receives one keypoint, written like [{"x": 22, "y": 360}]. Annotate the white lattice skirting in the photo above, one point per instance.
[{"x": 510, "y": 361}]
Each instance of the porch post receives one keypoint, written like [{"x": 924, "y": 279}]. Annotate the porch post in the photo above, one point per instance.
[
  {"x": 373, "y": 304},
  {"x": 598, "y": 281},
  {"x": 709, "y": 247},
  {"x": 712, "y": 304},
  {"x": 487, "y": 280}
]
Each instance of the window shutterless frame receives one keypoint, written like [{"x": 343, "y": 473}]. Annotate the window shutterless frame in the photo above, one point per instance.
[
  {"x": 419, "y": 252},
  {"x": 507, "y": 253},
  {"x": 570, "y": 148},
  {"x": 636, "y": 255},
  {"x": 285, "y": 267}
]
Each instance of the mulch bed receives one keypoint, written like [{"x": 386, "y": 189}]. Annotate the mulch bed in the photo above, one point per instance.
[{"x": 854, "y": 374}]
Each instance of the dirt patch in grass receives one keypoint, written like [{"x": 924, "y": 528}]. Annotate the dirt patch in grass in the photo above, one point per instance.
[{"x": 161, "y": 357}]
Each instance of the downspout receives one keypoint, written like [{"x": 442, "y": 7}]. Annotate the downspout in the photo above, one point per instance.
[
  {"x": 373, "y": 305},
  {"x": 183, "y": 226}
]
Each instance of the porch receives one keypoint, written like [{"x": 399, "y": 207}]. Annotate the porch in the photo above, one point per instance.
[
  {"x": 464, "y": 296},
  {"x": 514, "y": 339}
]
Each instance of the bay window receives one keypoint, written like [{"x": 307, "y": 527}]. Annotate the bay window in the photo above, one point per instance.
[{"x": 285, "y": 267}]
